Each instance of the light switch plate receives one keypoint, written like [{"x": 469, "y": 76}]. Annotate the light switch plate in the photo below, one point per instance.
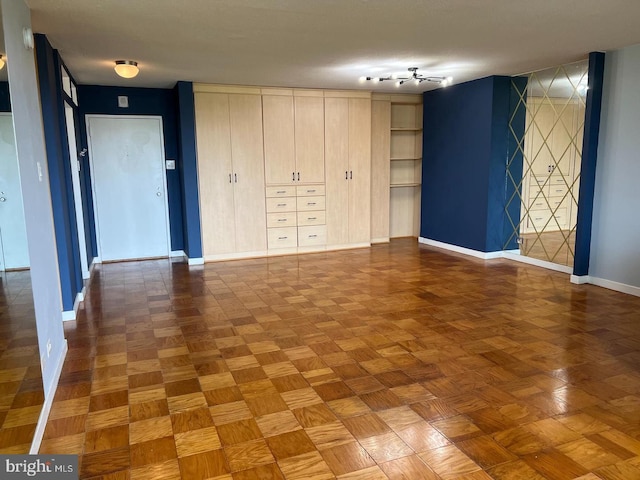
[{"x": 170, "y": 164}]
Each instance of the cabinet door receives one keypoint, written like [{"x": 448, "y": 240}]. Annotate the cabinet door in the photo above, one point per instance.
[
  {"x": 215, "y": 173},
  {"x": 359, "y": 170},
  {"x": 279, "y": 148},
  {"x": 245, "y": 114},
  {"x": 380, "y": 168},
  {"x": 309, "y": 135},
  {"x": 540, "y": 124},
  {"x": 336, "y": 121}
]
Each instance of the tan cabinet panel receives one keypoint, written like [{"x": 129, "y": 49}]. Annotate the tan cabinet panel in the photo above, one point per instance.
[
  {"x": 311, "y": 203},
  {"x": 282, "y": 237},
  {"x": 312, "y": 235},
  {"x": 281, "y": 204},
  {"x": 317, "y": 217},
  {"x": 279, "y": 149},
  {"x": 309, "y": 139},
  {"x": 284, "y": 219},
  {"x": 215, "y": 173},
  {"x": 380, "y": 169},
  {"x": 310, "y": 190},
  {"x": 281, "y": 191},
  {"x": 359, "y": 170},
  {"x": 336, "y": 159}
]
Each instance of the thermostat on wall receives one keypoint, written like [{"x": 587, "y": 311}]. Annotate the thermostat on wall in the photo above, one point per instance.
[{"x": 123, "y": 101}]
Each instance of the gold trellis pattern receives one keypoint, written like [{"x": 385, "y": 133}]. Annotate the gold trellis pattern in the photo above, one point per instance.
[{"x": 549, "y": 152}]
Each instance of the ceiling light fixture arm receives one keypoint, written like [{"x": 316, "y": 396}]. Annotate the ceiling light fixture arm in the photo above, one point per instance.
[{"x": 413, "y": 76}]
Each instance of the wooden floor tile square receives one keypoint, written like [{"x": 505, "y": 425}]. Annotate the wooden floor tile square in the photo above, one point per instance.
[
  {"x": 314, "y": 415},
  {"x": 386, "y": 447},
  {"x": 333, "y": 391},
  {"x": 150, "y": 429},
  {"x": 409, "y": 467},
  {"x": 347, "y": 458},
  {"x": 269, "y": 471},
  {"x": 422, "y": 437},
  {"x": 169, "y": 470},
  {"x": 106, "y": 439},
  {"x": 243, "y": 456},
  {"x": 290, "y": 444},
  {"x": 191, "y": 420},
  {"x": 153, "y": 451},
  {"x": 278, "y": 423},
  {"x": 203, "y": 466},
  {"x": 330, "y": 435},
  {"x": 106, "y": 461},
  {"x": 308, "y": 466},
  {"x": 449, "y": 462},
  {"x": 366, "y": 425},
  {"x": 239, "y": 432},
  {"x": 197, "y": 441}
]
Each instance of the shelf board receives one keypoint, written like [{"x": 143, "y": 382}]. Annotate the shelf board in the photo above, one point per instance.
[
  {"x": 398, "y": 159},
  {"x": 402, "y": 185},
  {"x": 405, "y": 129}
]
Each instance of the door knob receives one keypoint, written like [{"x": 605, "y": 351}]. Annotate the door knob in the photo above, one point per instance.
[{"x": 2, "y": 199}]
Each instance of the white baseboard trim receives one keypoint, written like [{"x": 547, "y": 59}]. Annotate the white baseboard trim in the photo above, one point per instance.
[
  {"x": 177, "y": 253},
  {"x": 96, "y": 260},
  {"x": 69, "y": 315},
  {"x": 580, "y": 279},
  {"x": 48, "y": 402},
  {"x": 617, "y": 286},
  {"x": 233, "y": 256},
  {"x": 538, "y": 263},
  {"x": 195, "y": 261},
  {"x": 463, "y": 250},
  {"x": 379, "y": 240}
]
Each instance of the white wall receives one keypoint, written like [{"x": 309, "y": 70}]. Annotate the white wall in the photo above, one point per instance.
[
  {"x": 34, "y": 179},
  {"x": 615, "y": 244}
]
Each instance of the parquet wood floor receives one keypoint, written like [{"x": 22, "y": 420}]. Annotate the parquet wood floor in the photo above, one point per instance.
[
  {"x": 398, "y": 361},
  {"x": 21, "y": 391}
]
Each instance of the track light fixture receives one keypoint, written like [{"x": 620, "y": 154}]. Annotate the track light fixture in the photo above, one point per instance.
[{"x": 414, "y": 77}]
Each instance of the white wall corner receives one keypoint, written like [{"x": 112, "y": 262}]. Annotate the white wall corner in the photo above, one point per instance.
[
  {"x": 68, "y": 315},
  {"x": 195, "y": 261},
  {"x": 177, "y": 253},
  {"x": 462, "y": 250},
  {"x": 48, "y": 402},
  {"x": 580, "y": 279}
]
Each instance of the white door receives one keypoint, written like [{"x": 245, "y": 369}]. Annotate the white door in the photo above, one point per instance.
[
  {"x": 129, "y": 187},
  {"x": 13, "y": 233}
]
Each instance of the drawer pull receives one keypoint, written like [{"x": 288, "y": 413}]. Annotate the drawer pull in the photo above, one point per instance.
[
  {"x": 282, "y": 238},
  {"x": 281, "y": 191},
  {"x": 313, "y": 236},
  {"x": 311, "y": 203},
  {"x": 311, "y": 191},
  {"x": 282, "y": 219},
  {"x": 282, "y": 205},
  {"x": 559, "y": 190},
  {"x": 312, "y": 218}
]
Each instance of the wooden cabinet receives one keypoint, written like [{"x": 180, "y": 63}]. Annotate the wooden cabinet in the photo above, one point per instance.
[
  {"x": 348, "y": 170},
  {"x": 293, "y": 136},
  {"x": 380, "y": 167},
  {"x": 230, "y": 174},
  {"x": 553, "y": 144}
]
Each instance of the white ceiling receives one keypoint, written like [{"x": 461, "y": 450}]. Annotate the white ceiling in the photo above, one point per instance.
[{"x": 327, "y": 43}]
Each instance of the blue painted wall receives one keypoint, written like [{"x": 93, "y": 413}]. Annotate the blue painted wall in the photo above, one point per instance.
[
  {"x": 50, "y": 83},
  {"x": 465, "y": 153},
  {"x": 588, "y": 164},
  {"x": 95, "y": 99},
  {"x": 188, "y": 168},
  {"x": 5, "y": 101}
]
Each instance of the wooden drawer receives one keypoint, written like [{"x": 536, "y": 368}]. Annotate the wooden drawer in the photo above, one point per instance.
[
  {"x": 310, "y": 203},
  {"x": 284, "y": 219},
  {"x": 309, "y": 190},
  {"x": 555, "y": 180},
  {"x": 281, "y": 204},
  {"x": 281, "y": 191},
  {"x": 282, "y": 237},
  {"x": 539, "y": 218},
  {"x": 558, "y": 190},
  {"x": 538, "y": 204},
  {"x": 312, "y": 217},
  {"x": 312, "y": 235},
  {"x": 537, "y": 181}
]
